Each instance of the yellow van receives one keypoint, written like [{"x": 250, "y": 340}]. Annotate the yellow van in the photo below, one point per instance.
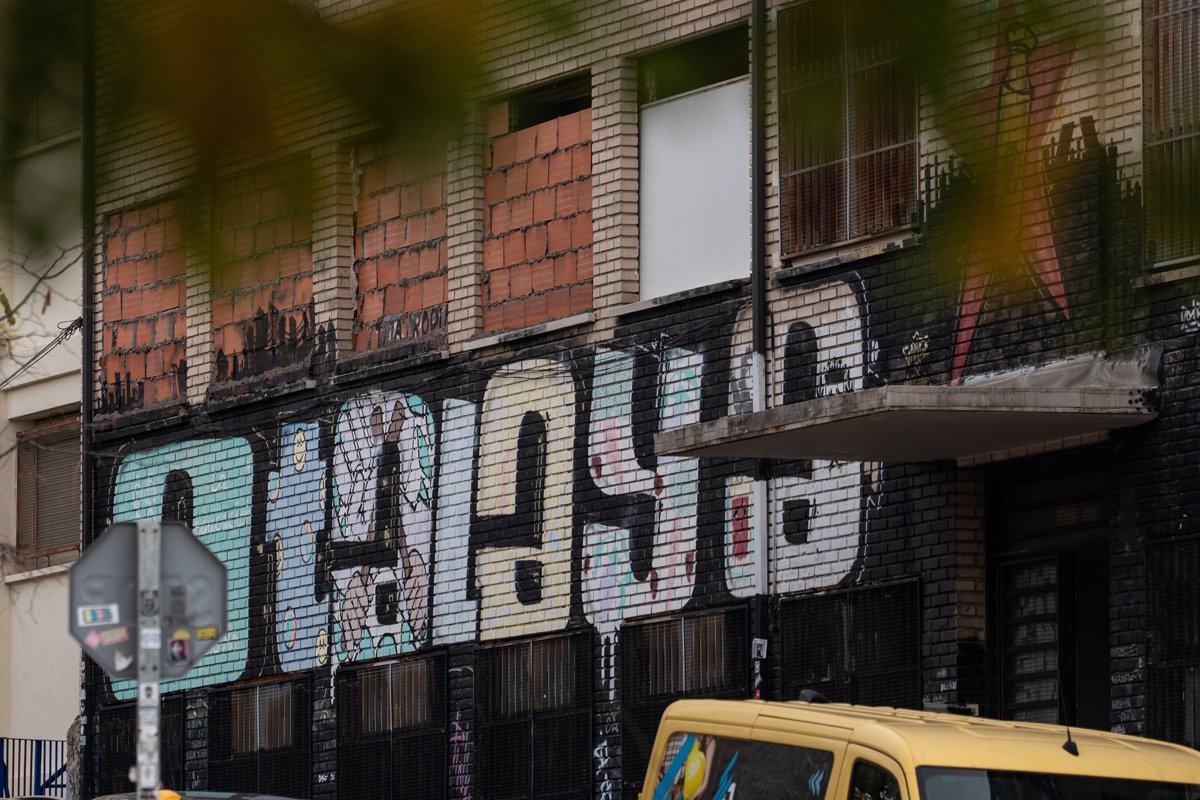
[{"x": 719, "y": 749}]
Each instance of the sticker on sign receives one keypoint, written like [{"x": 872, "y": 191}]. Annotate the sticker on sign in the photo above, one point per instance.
[
  {"x": 91, "y": 616},
  {"x": 150, "y": 638}
]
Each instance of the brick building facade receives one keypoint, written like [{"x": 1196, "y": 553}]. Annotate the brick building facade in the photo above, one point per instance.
[{"x": 497, "y": 474}]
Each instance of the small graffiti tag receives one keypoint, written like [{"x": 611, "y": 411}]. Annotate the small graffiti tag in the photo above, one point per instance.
[{"x": 1189, "y": 317}]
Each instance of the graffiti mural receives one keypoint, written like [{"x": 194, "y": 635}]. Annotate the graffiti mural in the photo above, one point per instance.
[
  {"x": 664, "y": 582},
  {"x": 296, "y": 506},
  {"x": 217, "y": 476},
  {"x": 398, "y": 519},
  {"x": 1013, "y": 113},
  {"x": 383, "y": 475},
  {"x": 816, "y": 505}
]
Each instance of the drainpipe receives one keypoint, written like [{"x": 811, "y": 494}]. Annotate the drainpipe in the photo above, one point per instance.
[
  {"x": 758, "y": 276},
  {"x": 87, "y": 216}
]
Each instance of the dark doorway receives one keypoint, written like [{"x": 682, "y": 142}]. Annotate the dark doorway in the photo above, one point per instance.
[{"x": 1048, "y": 531}]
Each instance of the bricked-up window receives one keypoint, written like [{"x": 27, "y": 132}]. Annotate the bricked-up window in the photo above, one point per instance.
[
  {"x": 49, "y": 461},
  {"x": 392, "y": 730},
  {"x": 697, "y": 655},
  {"x": 860, "y": 645},
  {"x": 847, "y": 127},
  {"x": 262, "y": 308},
  {"x": 1173, "y": 656},
  {"x": 1171, "y": 97},
  {"x": 116, "y": 745},
  {"x": 537, "y": 248},
  {"x": 144, "y": 344},
  {"x": 399, "y": 249},
  {"x": 259, "y": 739},
  {"x": 534, "y": 719}
]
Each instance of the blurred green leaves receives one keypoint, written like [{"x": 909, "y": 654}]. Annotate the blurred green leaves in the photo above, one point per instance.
[{"x": 241, "y": 78}]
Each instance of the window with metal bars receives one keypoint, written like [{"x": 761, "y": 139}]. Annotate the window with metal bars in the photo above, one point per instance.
[
  {"x": 392, "y": 730},
  {"x": 847, "y": 127},
  {"x": 860, "y": 645},
  {"x": 533, "y": 704},
  {"x": 697, "y": 655},
  {"x": 49, "y": 463},
  {"x": 1030, "y": 633},
  {"x": 259, "y": 739},
  {"x": 1171, "y": 127},
  {"x": 1173, "y": 629},
  {"x": 116, "y": 745}
]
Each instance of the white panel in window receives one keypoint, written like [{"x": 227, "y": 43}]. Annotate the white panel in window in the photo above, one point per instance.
[{"x": 695, "y": 189}]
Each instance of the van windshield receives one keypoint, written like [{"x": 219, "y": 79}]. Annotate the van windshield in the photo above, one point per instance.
[{"x": 944, "y": 783}]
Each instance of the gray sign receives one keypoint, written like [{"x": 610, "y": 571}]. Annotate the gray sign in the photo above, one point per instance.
[{"x": 105, "y": 602}]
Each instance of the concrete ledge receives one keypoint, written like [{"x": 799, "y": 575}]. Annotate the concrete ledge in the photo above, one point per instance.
[
  {"x": 914, "y": 423},
  {"x": 573, "y": 321},
  {"x": 34, "y": 574}
]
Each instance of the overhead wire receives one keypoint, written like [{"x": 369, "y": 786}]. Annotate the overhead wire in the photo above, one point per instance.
[{"x": 63, "y": 334}]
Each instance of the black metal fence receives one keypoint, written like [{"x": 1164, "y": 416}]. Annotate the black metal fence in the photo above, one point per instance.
[{"x": 33, "y": 767}]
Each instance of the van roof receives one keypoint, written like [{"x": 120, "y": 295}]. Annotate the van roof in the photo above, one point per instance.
[{"x": 925, "y": 738}]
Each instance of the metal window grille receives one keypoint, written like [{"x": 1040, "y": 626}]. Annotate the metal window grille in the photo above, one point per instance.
[
  {"x": 259, "y": 739},
  {"x": 116, "y": 745},
  {"x": 392, "y": 730},
  {"x": 49, "y": 464},
  {"x": 534, "y": 719},
  {"x": 1171, "y": 100},
  {"x": 697, "y": 655},
  {"x": 860, "y": 645},
  {"x": 1173, "y": 628},
  {"x": 848, "y": 131}
]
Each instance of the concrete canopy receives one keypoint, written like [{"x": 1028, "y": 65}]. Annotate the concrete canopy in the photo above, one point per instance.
[
  {"x": 1083, "y": 395},
  {"x": 911, "y": 423}
]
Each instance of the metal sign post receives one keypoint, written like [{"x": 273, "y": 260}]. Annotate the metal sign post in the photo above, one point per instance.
[
  {"x": 149, "y": 536},
  {"x": 134, "y": 582}
]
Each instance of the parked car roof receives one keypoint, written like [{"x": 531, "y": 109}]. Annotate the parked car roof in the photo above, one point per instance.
[
  {"x": 170, "y": 794},
  {"x": 924, "y": 738}
]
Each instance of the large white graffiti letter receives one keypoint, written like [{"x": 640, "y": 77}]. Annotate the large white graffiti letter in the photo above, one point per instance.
[
  {"x": 295, "y": 520},
  {"x": 663, "y": 496},
  {"x": 523, "y": 503},
  {"x": 816, "y": 510},
  {"x": 454, "y": 611}
]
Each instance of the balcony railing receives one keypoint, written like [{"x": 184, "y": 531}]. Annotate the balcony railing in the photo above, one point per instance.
[{"x": 33, "y": 767}]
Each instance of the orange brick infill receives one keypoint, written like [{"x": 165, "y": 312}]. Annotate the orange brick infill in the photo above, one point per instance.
[
  {"x": 400, "y": 242},
  {"x": 537, "y": 223}
]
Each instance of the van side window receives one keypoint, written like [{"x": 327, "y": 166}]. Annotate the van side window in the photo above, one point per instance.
[
  {"x": 704, "y": 767},
  {"x": 873, "y": 782}
]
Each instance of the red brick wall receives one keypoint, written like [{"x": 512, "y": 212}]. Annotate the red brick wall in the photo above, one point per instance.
[
  {"x": 262, "y": 276},
  {"x": 537, "y": 249},
  {"x": 144, "y": 307},
  {"x": 399, "y": 250}
]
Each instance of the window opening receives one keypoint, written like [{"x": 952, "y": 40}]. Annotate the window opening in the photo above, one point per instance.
[
  {"x": 49, "y": 465},
  {"x": 534, "y": 711},
  {"x": 872, "y": 782},
  {"x": 392, "y": 730},
  {"x": 1171, "y": 99},
  {"x": 860, "y": 645},
  {"x": 697, "y": 655},
  {"x": 848, "y": 149},
  {"x": 259, "y": 739},
  {"x": 693, "y": 65}
]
